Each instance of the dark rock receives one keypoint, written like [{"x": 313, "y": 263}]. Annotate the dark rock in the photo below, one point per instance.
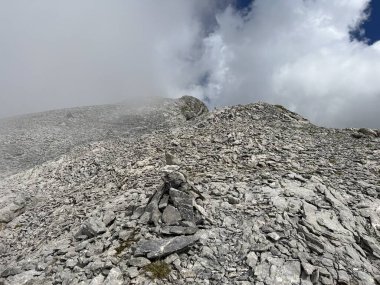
[
  {"x": 164, "y": 201},
  {"x": 69, "y": 115},
  {"x": 357, "y": 135},
  {"x": 233, "y": 200},
  {"x": 315, "y": 276},
  {"x": 192, "y": 107},
  {"x": 183, "y": 202},
  {"x": 371, "y": 245},
  {"x": 367, "y": 132},
  {"x": 175, "y": 179},
  {"x": 152, "y": 208},
  {"x": 171, "y": 159},
  {"x": 313, "y": 241}
]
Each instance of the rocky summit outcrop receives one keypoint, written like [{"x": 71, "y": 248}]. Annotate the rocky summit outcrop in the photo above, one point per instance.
[{"x": 250, "y": 194}]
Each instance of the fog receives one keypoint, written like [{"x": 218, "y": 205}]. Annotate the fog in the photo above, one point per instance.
[{"x": 57, "y": 54}]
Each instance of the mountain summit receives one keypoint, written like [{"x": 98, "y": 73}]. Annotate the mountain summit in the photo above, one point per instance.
[{"x": 251, "y": 194}]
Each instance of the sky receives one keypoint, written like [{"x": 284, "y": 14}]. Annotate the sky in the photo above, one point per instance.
[{"x": 319, "y": 58}]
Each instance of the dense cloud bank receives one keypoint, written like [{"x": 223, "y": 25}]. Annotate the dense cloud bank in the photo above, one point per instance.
[{"x": 296, "y": 53}]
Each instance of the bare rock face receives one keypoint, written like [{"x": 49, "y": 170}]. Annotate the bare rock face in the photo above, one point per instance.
[{"x": 249, "y": 194}]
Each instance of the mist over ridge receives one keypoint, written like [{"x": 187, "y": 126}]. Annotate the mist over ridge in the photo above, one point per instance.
[{"x": 300, "y": 54}]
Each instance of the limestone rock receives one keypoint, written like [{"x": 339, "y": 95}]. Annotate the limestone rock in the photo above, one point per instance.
[
  {"x": 115, "y": 277},
  {"x": 261, "y": 196},
  {"x": 24, "y": 278},
  {"x": 138, "y": 261},
  {"x": 91, "y": 228},
  {"x": 12, "y": 210},
  {"x": 279, "y": 272},
  {"x": 171, "y": 159},
  {"x": 171, "y": 216},
  {"x": 162, "y": 247},
  {"x": 132, "y": 272},
  {"x": 98, "y": 280},
  {"x": 252, "y": 259},
  {"x": 109, "y": 217},
  {"x": 178, "y": 230}
]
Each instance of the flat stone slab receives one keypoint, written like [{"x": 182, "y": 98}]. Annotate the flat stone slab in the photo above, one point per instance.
[
  {"x": 153, "y": 249},
  {"x": 178, "y": 230}
]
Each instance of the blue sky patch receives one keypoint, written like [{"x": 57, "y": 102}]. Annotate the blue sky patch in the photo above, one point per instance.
[{"x": 372, "y": 26}]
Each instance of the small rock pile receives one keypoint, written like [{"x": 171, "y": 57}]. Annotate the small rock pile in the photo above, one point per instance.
[
  {"x": 172, "y": 209},
  {"x": 129, "y": 236}
]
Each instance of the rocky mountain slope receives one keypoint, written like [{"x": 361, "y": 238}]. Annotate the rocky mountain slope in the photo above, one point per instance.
[
  {"x": 249, "y": 194},
  {"x": 29, "y": 140}
]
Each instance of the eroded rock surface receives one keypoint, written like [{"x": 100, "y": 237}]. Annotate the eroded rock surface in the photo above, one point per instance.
[{"x": 250, "y": 194}]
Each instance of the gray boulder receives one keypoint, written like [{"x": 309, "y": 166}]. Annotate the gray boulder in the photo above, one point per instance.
[
  {"x": 12, "y": 210},
  {"x": 91, "y": 228},
  {"x": 115, "y": 277}
]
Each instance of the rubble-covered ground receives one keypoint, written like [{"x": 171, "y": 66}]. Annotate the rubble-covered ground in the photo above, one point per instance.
[
  {"x": 29, "y": 140},
  {"x": 250, "y": 194}
]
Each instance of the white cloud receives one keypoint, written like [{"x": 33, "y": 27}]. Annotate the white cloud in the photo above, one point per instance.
[
  {"x": 297, "y": 53},
  {"x": 57, "y": 54}
]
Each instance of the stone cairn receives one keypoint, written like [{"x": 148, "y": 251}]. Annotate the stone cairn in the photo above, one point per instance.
[{"x": 173, "y": 211}]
